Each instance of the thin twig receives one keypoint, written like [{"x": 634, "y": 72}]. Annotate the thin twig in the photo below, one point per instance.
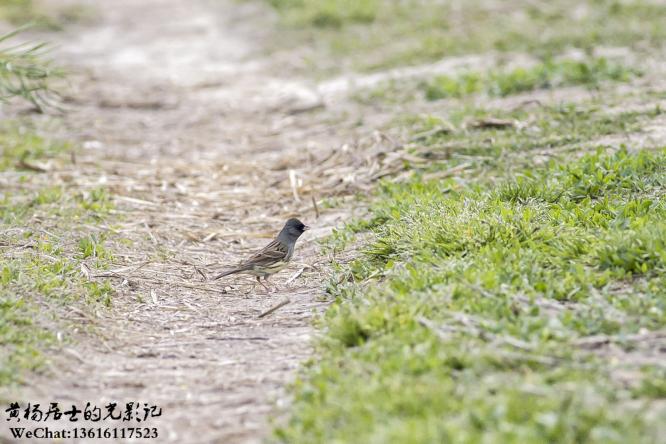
[
  {"x": 279, "y": 305},
  {"x": 200, "y": 272},
  {"x": 316, "y": 208}
]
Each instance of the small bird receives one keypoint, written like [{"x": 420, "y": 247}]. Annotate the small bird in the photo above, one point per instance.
[{"x": 274, "y": 256}]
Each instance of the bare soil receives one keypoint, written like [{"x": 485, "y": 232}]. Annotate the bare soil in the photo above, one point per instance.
[{"x": 203, "y": 139}]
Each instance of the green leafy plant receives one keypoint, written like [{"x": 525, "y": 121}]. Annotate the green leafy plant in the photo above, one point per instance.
[{"x": 26, "y": 72}]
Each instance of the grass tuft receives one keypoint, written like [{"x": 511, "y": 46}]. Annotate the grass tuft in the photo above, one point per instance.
[
  {"x": 41, "y": 274},
  {"x": 463, "y": 313},
  {"x": 21, "y": 145},
  {"x": 546, "y": 75}
]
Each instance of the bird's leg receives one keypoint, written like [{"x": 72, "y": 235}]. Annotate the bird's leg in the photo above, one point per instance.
[
  {"x": 266, "y": 280},
  {"x": 250, "y": 291},
  {"x": 262, "y": 284}
]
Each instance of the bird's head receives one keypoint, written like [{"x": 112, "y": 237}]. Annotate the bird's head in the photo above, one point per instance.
[{"x": 293, "y": 229}]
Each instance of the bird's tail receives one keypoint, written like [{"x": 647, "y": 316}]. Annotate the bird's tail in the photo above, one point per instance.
[{"x": 228, "y": 272}]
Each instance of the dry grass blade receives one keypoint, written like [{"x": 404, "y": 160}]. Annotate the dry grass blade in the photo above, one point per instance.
[
  {"x": 448, "y": 128},
  {"x": 602, "y": 340},
  {"x": 295, "y": 183},
  {"x": 295, "y": 276},
  {"x": 447, "y": 173}
]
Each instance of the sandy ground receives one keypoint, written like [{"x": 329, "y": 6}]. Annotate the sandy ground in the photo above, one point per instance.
[{"x": 196, "y": 131}]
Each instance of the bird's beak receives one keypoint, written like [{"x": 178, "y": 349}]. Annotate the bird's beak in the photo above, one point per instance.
[{"x": 306, "y": 228}]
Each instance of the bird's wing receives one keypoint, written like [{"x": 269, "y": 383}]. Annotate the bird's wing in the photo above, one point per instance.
[
  {"x": 271, "y": 254},
  {"x": 274, "y": 252}
]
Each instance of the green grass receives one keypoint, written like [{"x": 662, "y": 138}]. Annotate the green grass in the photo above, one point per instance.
[
  {"x": 376, "y": 34},
  {"x": 462, "y": 315},
  {"x": 505, "y": 303},
  {"x": 44, "y": 246},
  {"x": 594, "y": 74},
  {"x": 547, "y": 75},
  {"x": 537, "y": 134},
  {"x": 328, "y": 14},
  {"x": 17, "y": 12},
  {"x": 30, "y": 12},
  {"x": 23, "y": 146}
]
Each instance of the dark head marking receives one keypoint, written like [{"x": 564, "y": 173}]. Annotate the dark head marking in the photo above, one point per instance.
[{"x": 293, "y": 229}]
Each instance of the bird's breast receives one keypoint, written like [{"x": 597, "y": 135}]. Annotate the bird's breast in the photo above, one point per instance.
[{"x": 265, "y": 270}]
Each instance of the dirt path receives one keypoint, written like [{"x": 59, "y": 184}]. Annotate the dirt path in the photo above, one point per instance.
[{"x": 195, "y": 131}]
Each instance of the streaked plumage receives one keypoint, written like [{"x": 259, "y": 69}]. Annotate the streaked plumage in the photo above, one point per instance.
[{"x": 273, "y": 257}]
